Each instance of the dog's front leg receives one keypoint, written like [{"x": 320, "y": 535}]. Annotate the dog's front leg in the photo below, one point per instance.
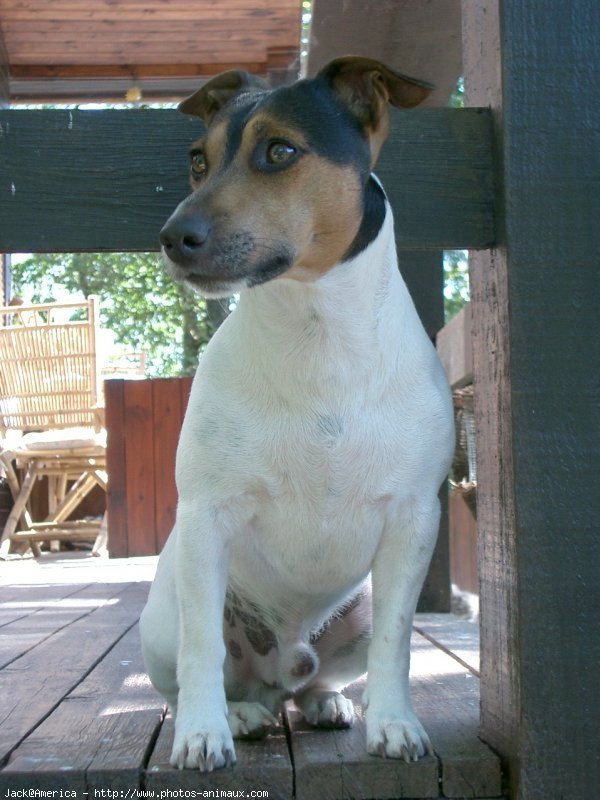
[
  {"x": 398, "y": 573},
  {"x": 202, "y": 734}
]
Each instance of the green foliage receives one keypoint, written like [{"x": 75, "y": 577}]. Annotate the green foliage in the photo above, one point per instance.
[
  {"x": 457, "y": 98},
  {"x": 456, "y": 270},
  {"x": 139, "y": 302},
  {"x": 456, "y": 282}
]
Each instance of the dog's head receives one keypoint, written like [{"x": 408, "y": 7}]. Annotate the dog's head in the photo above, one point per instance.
[{"x": 281, "y": 179}]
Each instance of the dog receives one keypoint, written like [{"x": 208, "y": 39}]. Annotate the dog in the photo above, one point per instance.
[{"x": 318, "y": 431}]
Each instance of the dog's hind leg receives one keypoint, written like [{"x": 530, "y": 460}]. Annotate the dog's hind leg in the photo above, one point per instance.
[
  {"x": 342, "y": 646},
  {"x": 249, "y": 720}
]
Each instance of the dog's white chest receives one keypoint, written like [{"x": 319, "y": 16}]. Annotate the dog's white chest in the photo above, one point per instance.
[
  {"x": 317, "y": 410},
  {"x": 325, "y": 498}
]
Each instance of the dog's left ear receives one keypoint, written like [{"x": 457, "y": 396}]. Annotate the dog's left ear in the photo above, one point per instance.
[
  {"x": 366, "y": 87},
  {"x": 213, "y": 95}
]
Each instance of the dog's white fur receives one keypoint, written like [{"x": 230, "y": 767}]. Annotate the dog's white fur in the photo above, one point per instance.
[{"x": 318, "y": 432}]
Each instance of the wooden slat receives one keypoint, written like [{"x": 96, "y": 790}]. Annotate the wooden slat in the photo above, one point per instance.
[
  {"x": 261, "y": 765},
  {"x": 459, "y": 637},
  {"x": 168, "y": 416},
  {"x": 4, "y": 94},
  {"x": 436, "y": 168},
  {"x": 62, "y": 606},
  {"x": 127, "y": 71},
  {"x": 36, "y": 683},
  {"x": 217, "y": 8},
  {"x": 19, "y": 602},
  {"x": 446, "y": 698},
  {"x": 454, "y": 346},
  {"x": 139, "y": 457},
  {"x": 149, "y": 30},
  {"x": 100, "y": 734},
  {"x": 331, "y": 765},
  {"x": 463, "y": 544},
  {"x": 116, "y": 465},
  {"x": 66, "y": 13},
  {"x": 71, "y": 53}
]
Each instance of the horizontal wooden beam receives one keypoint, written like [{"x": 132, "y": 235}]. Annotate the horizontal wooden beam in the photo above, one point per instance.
[{"x": 107, "y": 180}]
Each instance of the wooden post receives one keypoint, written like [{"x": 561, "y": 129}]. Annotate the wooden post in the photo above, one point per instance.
[{"x": 535, "y": 326}]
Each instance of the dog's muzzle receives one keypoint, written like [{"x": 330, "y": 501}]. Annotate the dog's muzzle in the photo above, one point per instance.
[{"x": 183, "y": 238}]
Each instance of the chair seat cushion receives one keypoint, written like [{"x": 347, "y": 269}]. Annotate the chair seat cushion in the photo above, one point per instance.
[{"x": 69, "y": 439}]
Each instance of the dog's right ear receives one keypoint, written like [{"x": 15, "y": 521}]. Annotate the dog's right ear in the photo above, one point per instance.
[{"x": 213, "y": 95}]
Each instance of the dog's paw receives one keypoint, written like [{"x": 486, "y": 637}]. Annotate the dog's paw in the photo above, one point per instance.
[
  {"x": 249, "y": 720},
  {"x": 327, "y": 709},
  {"x": 203, "y": 749},
  {"x": 397, "y": 737}
]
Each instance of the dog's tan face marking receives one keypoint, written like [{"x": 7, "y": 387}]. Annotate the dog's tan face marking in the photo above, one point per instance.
[
  {"x": 281, "y": 181},
  {"x": 311, "y": 208}
]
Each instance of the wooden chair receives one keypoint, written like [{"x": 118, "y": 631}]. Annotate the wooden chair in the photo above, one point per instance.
[{"x": 51, "y": 417}]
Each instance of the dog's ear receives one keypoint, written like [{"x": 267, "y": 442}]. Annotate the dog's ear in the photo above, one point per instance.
[
  {"x": 213, "y": 95},
  {"x": 366, "y": 86}
]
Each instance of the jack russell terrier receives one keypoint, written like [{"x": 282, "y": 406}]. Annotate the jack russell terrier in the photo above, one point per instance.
[{"x": 318, "y": 431}]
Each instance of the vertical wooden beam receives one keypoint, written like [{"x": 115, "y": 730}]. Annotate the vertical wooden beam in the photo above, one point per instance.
[{"x": 535, "y": 328}]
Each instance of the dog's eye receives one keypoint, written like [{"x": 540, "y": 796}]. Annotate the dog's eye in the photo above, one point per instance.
[
  {"x": 198, "y": 163},
  {"x": 280, "y": 153}
]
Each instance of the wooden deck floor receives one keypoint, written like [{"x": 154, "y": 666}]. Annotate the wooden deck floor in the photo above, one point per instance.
[{"x": 78, "y": 713}]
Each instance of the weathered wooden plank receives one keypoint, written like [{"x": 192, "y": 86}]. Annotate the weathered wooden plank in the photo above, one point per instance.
[
  {"x": 335, "y": 764},
  {"x": 110, "y": 179},
  {"x": 18, "y": 602},
  {"x": 168, "y": 416},
  {"x": 54, "y": 34},
  {"x": 33, "y": 685},
  {"x": 116, "y": 467},
  {"x": 463, "y": 543},
  {"x": 448, "y": 706},
  {"x": 99, "y": 735},
  {"x": 458, "y": 637},
  {"x": 4, "y": 74},
  {"x": 536, "y": 402},
  {"x": 454, "y": 346},
  {"x": 139, "y": 457},
  {"x": 261, "y": 765},
  {"x": 57, "y": 612}
]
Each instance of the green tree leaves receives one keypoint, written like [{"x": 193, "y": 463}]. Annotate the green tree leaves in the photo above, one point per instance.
[{"x": 144, "y": 307}]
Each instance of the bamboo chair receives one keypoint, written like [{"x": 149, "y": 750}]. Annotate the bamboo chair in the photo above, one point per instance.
[{"x": 51, "y": 417}]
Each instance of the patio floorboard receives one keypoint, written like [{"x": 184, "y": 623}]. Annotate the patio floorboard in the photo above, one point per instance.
[{"x": 79, "y": 713}]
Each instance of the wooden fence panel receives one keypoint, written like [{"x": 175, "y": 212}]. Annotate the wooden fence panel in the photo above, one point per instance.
[
  {"x": 167, "y": 416},
  {"x": 143, "y": 419},
  {"x": 116, "y": 501},
  {"x": 139, "y": 461}
]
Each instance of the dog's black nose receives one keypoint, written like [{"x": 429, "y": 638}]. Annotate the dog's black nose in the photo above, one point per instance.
[{"x": 183, "y": 236}]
